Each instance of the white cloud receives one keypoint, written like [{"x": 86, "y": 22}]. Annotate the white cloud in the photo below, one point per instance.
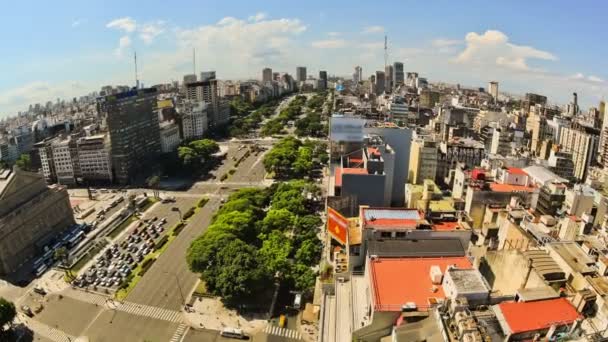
[
  {"x": 334, "y": 34},
  {"x": 595, "y": 79},
  {"x": 123, "y": 43},
  {"x": 373, "y": 29},
  {"x": 78, "y": 22},
  {"x": 258, "y": 17},
  {"x": 241, "y": 46},
  {"x": 493, "y": 48},
  {"x": 441, "y": 42},
  {"x": 126, "y": 24},
  {"x": 148, "y": 32},
  {"x": 40, "y": 92},
  {"x": 329, "y": 44}
]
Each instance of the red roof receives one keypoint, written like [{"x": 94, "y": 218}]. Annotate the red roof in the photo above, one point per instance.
[
  {"x": 517, "y": 171},
  {"x": 347, "y": 170},
  {"x": 397, "y": 281},
  {"x": 446, "y": 226},
  {"x": 499, "y": 187},
  {"x": 538, "y": 315},
  {"x": 373, "y": 151}
]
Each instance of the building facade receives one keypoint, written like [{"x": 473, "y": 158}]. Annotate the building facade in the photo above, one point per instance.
[
  {"x": 169, "y": 136},
  {"x": 194, "y": 119},
  {"x": 398, "y": 74},
  {"x": 583, "y": 146},
  {"x": 134, "y": 133},
  {"x": 31, "y": 214},
  {"x": 423, "y": 161},
  {"x": 300, "y": 74},
  {"x": 95, "y": 159},
  {"x": 267, "y": 75}
]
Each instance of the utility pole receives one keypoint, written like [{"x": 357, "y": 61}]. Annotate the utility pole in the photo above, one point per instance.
[{"x": 194, "y": 61}]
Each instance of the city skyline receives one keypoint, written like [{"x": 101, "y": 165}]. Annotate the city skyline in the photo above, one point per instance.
[{"x": 74, "y": 50}]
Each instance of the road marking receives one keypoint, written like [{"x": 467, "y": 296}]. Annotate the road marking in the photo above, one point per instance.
[
  {"x": 128, "y": 307},
  {"x": 284, "y": 332},
  {"x": 179, "y": 333},
  {"x": 49, "y": 332}
]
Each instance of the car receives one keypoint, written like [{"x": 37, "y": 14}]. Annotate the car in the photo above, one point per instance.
[
  {"x": 163, "y": 220},
  {"x": 27, "y": 311}
]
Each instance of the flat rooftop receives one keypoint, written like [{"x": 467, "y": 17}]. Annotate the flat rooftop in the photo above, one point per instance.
[
  {"x": 468, "y": 280},
  {"x": 573, "y": 255},
  {"x": 392, "y": 286},
  {"x": 520, "y": 317},
  {"x": 499, "y": 187},
  {"x": 416, "y": 248},
  {"x": 347, "y": 170},
  {"x": 390, "y": 218}
]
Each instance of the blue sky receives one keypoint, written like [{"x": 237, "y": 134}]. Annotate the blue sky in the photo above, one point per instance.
[{"x": 68, "y": 48}]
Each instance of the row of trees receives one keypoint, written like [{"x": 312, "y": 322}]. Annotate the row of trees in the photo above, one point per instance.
[
  {"x": 292, "y": 158},
  {"x": 246, "y": 249},
  {"x": 291, "y": 113},
  {"x": 190, "y": 158},
  {"x": 247, "y": 117}
]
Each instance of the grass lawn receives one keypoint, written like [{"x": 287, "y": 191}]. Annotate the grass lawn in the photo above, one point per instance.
[
  {"x": 114, "y": 233},
  {"x": 90, "y": 254},
  {"x": 201, "y": 289},
  {"x": 151, "y": 200}
]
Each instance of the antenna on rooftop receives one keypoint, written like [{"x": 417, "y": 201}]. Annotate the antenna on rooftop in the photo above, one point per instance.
[
  {"x": 194, "y": 61},
  {"x": 136, "y": 76}
]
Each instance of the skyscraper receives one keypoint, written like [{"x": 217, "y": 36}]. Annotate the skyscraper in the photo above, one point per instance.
[
  {"x": 301, "y": 74},
  {"x": 208, "y": 91},
  {"x": 134, "y": 133},
  {"x": 207, "y": 75},
  {"x": 398, "y": 75},
  {"x": 187, "y": 79},
  {"x": 267, "y": 75},
  {"x": 388, "y": 78},
  {"x": 493, "y": 90},
  {"x": 380, "y": 82},
  {"x": 358, "y": 75},
  {"x": 322, "y": 80}
]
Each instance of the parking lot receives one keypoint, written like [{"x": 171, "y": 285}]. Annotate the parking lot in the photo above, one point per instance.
[{"x": 116, "y": 263}]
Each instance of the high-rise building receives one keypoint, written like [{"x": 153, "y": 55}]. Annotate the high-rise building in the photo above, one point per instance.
[
  {"x": 398, "y": 74},
  {"x": 358, "y": 75},
  {"x": 582, "y": 143},
  {"x": 169, "y": 136},
  {"x": 380, "y": 82},
  {"x": 493, "y": 90},
  {"x": 207, "y": 75},
  {"x": 301, "y": 74},
  {"x": 208, "y": 91},
  {"x": 31, "y": 215},
  {"x": 322, "y": 80},
  {"x": 423, "y": 161},
  {"x": 267, "y": 75},
  {"x": 94, "y": 158},
  {"x": 187, "y": 79},
  {"x": 194, "y": 119},
  {"x": 388, "y": 75},
  {"x": 134, "y": 133}
]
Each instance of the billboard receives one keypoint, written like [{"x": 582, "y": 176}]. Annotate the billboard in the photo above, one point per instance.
[
  {"x": 337, "y": 225},
  {"x": 346, "y": 129}
]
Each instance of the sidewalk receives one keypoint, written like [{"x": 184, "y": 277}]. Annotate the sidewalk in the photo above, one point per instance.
[{"x": 210, "y": 313}]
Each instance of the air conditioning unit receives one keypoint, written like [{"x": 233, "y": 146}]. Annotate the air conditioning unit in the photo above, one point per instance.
[
  {"x": 436, "y": 275},
  {"x": 409, "y": 306}
]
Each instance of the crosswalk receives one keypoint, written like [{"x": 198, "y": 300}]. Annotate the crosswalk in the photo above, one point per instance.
[
  {"x": 49, "y": 332},
  {"x": 128, "y": 307},
  {"x": 179, "y": 333},
  {"x": 288, "y": 333}
]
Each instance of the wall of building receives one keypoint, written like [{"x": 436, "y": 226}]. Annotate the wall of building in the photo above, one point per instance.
[{"x": 369, "y": 189}]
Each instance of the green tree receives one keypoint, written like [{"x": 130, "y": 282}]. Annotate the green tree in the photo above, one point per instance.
[
  {"x": 24, "y": 162},
  {"x": 275, "y": 251},
  {"x": 202, "y": 253},
  {"x": 309, "y": 252},
  {"x": 308, "y": 223},
  {"x": 153, "y": 183},
  {"x": 277, "y": 220},
  {"x": 188, "y": 156},
  {"x": 241, "y": 224},
  {"x": 204, "y": 148},
  {"x": 303, "y": 277},
  {"x": 292, "y": 200},
  {"x": 302, "y": 166},
  {"x": 7, "y": 313},
  {"x": 63, "y": 256}
]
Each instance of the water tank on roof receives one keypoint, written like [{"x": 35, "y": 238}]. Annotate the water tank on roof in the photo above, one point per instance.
[{"x": 436, "y": 275}]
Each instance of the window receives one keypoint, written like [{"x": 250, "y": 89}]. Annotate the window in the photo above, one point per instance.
[
  {"x": 386, "y": 235},
  {"x": 400, "y": 234}
]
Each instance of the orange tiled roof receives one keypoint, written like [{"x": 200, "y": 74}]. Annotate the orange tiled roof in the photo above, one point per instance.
[
  {"x": 537, "y": 315},
  {"x": 347, "y": 170},
  {"x": 499, "y": 187},
  {"x": 397, "y": 281}
]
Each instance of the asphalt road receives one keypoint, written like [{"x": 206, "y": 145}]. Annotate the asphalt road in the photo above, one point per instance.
[{"x": 168, "y": 283}]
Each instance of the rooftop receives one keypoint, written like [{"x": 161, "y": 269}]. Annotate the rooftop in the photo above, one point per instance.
[
  {"x": 544, "y": 264},
  {"x": 519, "y": 317},
  {"x": 390, "y": 218},
  {"x": 444, "y": 205},
  {"x": 543, "y": 175},
  {"x": 416, "y": 248},
  {"x": 468, "y": 280},
  {"x": 516, "y": 171},
  {"x": 348, "y": 170},
  {"x": 574, "y": 256},
  {"x": 391, "y": 288},
  {"x": 499, "y": 187}
]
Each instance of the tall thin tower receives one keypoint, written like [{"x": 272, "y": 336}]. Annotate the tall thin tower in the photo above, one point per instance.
[
  {"x": 193, "y": 61},
  {"x": 385, "y": 51},
  {"x": 136, "y": 75}
]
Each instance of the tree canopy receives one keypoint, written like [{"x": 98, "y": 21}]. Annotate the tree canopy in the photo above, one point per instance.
[{"x": 7, "y": 312}]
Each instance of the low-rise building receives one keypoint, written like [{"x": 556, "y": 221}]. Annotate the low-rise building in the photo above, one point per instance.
[{"x": 169, "y": 136}]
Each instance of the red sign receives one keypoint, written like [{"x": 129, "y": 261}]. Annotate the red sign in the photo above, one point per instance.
[{"x": 337, "y": 225}]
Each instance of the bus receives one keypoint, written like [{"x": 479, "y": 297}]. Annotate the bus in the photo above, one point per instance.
[
  {"x": 233, "y": 333},
  {"x": 38, "y": 271},
  {"x": 75, "y": 239}
]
